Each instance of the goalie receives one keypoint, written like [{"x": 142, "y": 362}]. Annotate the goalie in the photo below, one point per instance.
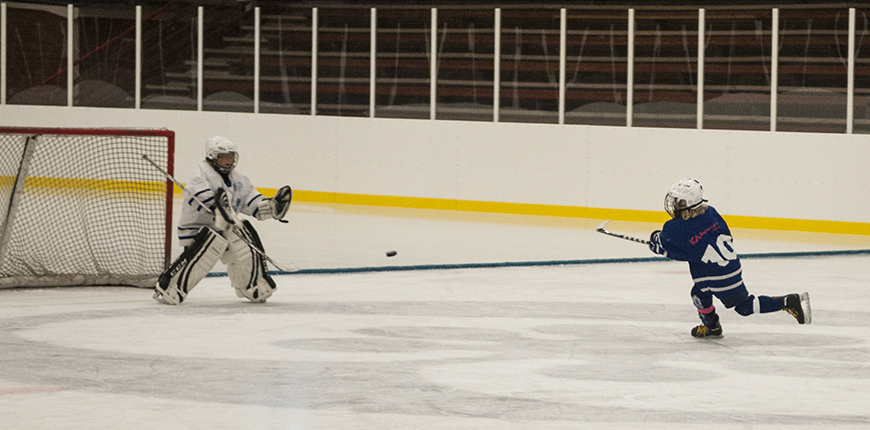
[{"x": 209, "y": 229}]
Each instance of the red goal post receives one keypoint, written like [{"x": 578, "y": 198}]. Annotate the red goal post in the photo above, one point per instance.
[{"x": 80, "y": 206}]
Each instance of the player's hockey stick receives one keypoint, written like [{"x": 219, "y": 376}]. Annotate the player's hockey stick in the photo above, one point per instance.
[
  {"x": 281, "y": 267},
  {"x": 601, "y": 229}
]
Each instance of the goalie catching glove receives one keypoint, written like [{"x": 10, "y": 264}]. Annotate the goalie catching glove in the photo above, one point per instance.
[{"x": 277, "y": 206}]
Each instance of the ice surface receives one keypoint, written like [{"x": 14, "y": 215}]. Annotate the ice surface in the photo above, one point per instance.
[{"x": 598, "y": 346}]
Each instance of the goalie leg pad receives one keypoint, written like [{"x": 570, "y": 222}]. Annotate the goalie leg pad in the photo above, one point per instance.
[
  {"x": 192, "y": 265},
  {"x": 247, "y": 269}
]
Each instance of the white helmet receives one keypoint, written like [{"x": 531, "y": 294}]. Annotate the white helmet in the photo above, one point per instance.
[
  {"x": 687, "y": 193},
  {"x": 216, "y": 146}
]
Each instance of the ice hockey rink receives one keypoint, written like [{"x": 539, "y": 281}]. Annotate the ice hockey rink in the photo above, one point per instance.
[{"x": 509, "y": 322}]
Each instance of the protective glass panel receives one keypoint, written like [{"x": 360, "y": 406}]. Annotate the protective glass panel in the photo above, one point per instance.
[
  {"x": 36, "y": 56},
  {"x": 465, "y": 64},
  {"x": 228, "y": 59},
  {"x": 343, "y": 62},
  {"x": 862, "y": 72},
  {"x": 106, "y": 57},
  {"x": 403, "y": 75},
  {"x": 169, "y": 44},
  {"x": 666, "y": 69},
  {"x": 737, "y": 66},
  {"x": 530, "y": 66},
  {"x": 285, "y": 58},
  {"x": 596, "y": 67},
  {"x": 813, "y": 57}
]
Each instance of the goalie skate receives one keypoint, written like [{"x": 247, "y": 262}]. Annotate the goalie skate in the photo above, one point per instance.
[{"x": 170, "y": 296}]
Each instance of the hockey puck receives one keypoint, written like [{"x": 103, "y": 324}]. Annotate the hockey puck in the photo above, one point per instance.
[{"x": 391, "y": 253}]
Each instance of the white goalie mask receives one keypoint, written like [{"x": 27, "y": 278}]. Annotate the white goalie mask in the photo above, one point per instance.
[
  {"x": 687, "y": 193},
  {"x": 217, "y": 146}
]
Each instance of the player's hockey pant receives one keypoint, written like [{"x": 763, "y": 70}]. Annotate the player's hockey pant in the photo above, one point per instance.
[
  {"x": 738, "y": 298},
  {"x": 190, "y": 267},
  {"x": 246, "y": 268}
]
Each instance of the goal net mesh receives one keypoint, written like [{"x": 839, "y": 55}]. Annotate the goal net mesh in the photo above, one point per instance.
[{"x": 83, "y": 207}]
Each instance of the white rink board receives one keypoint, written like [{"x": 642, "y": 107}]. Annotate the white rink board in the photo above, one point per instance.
[{"x": 808, "y": 176}]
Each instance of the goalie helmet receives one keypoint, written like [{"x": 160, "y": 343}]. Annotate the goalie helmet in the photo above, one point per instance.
[
  {"x": 687, "y": 193},
  {"x": 215, "y": 147}
]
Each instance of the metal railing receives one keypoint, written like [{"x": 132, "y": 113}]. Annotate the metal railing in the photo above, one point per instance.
[{"x": 751, "y": 69}]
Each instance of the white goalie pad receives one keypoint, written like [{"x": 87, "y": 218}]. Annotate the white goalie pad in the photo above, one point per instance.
[
  {"x": 190, "y": 267},
  {"x": 246, "y": 268}
]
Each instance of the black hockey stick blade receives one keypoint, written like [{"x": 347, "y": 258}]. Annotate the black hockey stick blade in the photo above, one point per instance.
[
  {"x": 601, "y": 229},
  {"x": 284, "y": 267}
]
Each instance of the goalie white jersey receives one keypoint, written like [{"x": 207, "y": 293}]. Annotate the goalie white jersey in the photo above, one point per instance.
[{"x": 245, "y": 199}]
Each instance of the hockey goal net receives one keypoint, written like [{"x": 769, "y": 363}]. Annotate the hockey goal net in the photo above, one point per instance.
[{"x": 82, "y": 206}]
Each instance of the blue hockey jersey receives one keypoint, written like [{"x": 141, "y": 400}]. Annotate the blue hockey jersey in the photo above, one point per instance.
[{"x": 705, "y": 242}]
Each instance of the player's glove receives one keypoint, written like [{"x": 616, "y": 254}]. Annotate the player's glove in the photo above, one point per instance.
[
  {"x": 281, "y": 202},
  {"x": 225, "y": 218},
  {"x": 655, "y": 243},
  {"x": 277, "y": 206}
]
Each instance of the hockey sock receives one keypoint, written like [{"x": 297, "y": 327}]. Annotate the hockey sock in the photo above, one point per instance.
[
  {"x": 760, "y": 305},
  {"x": 768, "y": 304},
  {"x": 709, "y": 317}
]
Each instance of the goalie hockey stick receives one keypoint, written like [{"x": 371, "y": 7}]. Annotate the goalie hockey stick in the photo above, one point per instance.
[
  {"x": 281, "y": 267},
  {"x": 601, "y": 229}
]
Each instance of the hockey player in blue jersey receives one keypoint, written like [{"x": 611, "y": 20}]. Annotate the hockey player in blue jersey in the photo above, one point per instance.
[{"x": 697, "y": 234}]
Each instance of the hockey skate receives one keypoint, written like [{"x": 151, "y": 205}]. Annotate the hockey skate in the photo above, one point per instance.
[
  {"x": 798, "y": 306},
  {"x": 704, "y": 331},
  {"x": 169, "y": 296}
]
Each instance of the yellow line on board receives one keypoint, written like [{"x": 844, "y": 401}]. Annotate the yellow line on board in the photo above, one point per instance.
[
  {"x": 734, "y": 221},
  {"x": 88, "y": 184},
  {"x": 807, "y": 225}
]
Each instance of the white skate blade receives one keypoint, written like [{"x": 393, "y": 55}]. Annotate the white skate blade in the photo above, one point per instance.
[
  {"x": 805, "y": 305},
  {"x": 165, "y": 298}
]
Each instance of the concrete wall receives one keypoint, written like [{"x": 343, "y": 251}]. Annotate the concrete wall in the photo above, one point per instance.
[{"x": 807, "y": 181}]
